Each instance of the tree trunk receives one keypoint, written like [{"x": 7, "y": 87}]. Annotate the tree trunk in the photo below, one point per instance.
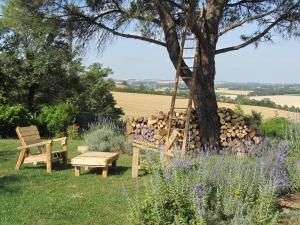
[
  {"x": 205, "y": 101},
  {"x": 30, "y": 97}
]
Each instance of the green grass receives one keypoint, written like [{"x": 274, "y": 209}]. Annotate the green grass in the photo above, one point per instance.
[{"x": 31, "y": 196}]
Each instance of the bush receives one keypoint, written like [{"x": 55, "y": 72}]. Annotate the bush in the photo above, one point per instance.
[
  {"x": 106, "y": 136},
  {"x": 55, "y": 119},
  {"x": 12, "y": 116},
  {"x": 96, "y": 96},
  {"x": 293, "y": 163},
  {"x": 211, "y": 189},
  {"x": 275, "y": 127},
  {"x": 73, "y": 132},
  {"x": 254, "y": 118},
  {"x": 238, "y": 110}
]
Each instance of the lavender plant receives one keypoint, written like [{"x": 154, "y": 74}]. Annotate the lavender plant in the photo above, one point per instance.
[
  {"x": 210, "y": 189},
  {"x": 293, "y": 155},
  {"x": 106, "y": 136}
]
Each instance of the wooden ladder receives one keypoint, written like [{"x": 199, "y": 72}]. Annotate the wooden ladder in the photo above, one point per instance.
[{"x": 191, "y": 89}]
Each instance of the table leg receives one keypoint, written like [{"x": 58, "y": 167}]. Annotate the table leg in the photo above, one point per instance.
[
  {"x": 135, "y": 162},
  {"x": 77, "y": 171},
  {"x": 114, "y": 164},
  {"x": 105, "y": 171}
]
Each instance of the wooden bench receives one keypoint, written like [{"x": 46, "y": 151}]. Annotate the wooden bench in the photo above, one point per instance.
[
  {"x": 139, "y": 146},
  {"x": 94, "y": 160},
  {"x": 30, "y": 138}
]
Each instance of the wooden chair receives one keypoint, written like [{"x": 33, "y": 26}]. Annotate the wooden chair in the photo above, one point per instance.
[{"x": 30, "y": 138}]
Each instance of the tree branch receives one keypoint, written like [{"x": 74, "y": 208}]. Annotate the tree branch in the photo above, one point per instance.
[
  {"x": 115, "y": 32},
  {"x": 250, "y": 41},
  {"x": 243, "y": 2},
  {"x": 260, "y": 35},
  {"x": 240, "y": 23}
]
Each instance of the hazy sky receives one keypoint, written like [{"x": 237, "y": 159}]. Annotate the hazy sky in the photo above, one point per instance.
[{"x": 277, "y": 62}]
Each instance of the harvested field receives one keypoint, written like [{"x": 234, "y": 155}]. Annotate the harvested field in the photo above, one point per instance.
[
  {"x": 288, "y": 100},
  {"x": 136, "y": 105},
  {"x": 232, "y": 92}
]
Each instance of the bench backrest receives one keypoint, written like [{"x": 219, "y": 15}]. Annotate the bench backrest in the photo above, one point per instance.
[{"x": 28, "y": 135}]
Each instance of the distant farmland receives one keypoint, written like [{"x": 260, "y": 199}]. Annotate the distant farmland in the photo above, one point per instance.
[
  {"x": 136, "y": 105},
  {"x": 288, "y": 100}
]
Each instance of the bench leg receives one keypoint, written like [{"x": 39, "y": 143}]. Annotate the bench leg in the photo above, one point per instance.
[
  {"x": 77, "y": 171},
  {"x": 105, "y": 171},
  {"x": 21, "y": 159}
]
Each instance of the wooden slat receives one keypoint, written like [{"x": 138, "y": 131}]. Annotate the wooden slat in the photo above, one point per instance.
[
  {"x": 27, "y": 129},
  {"x": 35, "y": 158},
  {"x": 30, "y": 133},
  {"x": 32, "y": 138}
]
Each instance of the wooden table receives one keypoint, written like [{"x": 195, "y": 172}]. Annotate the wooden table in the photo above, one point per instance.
[{"x": 95, "y": 159}]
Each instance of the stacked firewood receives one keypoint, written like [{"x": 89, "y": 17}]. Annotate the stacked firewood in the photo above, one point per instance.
[{"x": 234, "y": 129}]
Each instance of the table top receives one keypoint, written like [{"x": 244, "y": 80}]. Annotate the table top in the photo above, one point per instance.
[{"x": 95, "y": 158}]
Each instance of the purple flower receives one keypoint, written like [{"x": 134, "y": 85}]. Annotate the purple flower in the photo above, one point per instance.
[
  {"x": 198, "y": 198},
  {"x": 274, "y": 163},
  {"x": 183, "y": 163}
]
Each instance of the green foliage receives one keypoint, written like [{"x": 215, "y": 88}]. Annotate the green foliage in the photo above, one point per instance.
[
  {"x": 208, "y": 190},
  {"x": 238, "y": 110},
  {"x": 293, "y": 163},
  {"x": 96, "y": 96},
  {"x": 166, "y": 202},
  {"x": 142, "y": 86},
  {"x": 12, "y": 116},
  {"x": 106, "y": 136},
  {"x": 57, "y": 118},
  {"x": 275, "y": 127},
  {"x": 35, "y": 59},
  {"x": 73, "y": 132},
  {"x": 254, "y": 118}
]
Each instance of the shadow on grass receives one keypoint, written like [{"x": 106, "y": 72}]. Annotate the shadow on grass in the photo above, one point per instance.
[
  {"x": 6, "y": 184},
  {"x": 56, "y": 166},
  {"x": 7, "y": 155},
  {"x": 119, "y": 170}
]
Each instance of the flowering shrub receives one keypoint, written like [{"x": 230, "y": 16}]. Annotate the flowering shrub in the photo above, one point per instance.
[
  {"x": 105, "y": 136},
  {"x": 293, "y": 155},
  {"x": 215, "y": 189},
  {"x": 73, "y": 131}
]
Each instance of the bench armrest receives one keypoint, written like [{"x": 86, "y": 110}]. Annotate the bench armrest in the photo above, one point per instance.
[
  {"x": 63, "y": 139},
  {"x": 42, "y": 143}
]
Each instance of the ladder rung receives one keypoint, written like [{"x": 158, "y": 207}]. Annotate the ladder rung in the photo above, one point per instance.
[
  {"x": 180, "y": 108},
  {"x": 189, "y": 57},
  {"x": 189, "y": 48},
  {"x": 190, "y": 39},
  {"x": 185, "y": 78}
]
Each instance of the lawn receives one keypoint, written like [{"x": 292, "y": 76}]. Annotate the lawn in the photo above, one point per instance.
[{"x": 31, "y": 196}]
